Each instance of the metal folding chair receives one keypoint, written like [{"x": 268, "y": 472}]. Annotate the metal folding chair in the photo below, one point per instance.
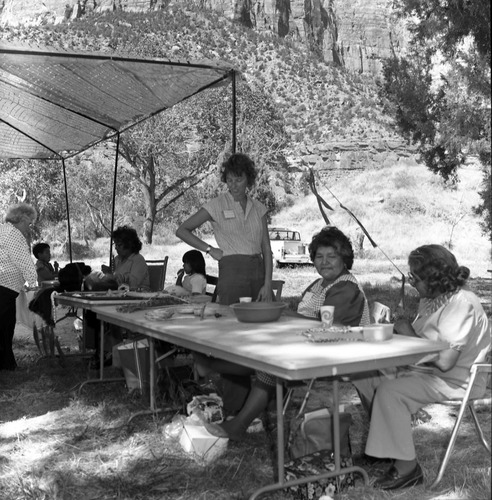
[
  {"x": 157, "y": 274},
  {"x": 467, "y": 402},
  {"x": 277, "y": 286}
]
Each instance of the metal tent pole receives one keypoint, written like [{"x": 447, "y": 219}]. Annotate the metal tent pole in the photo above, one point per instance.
[
  {"x": 113, "y": 201},
  {"x": 233, "y": 111},
  {"x": 68, "y": 210}
]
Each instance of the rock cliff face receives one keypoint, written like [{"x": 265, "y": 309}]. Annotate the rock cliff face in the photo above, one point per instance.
[{"x": 355, "y": 34}]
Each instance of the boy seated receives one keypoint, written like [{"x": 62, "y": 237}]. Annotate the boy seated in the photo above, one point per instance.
[{"x": 46, "y": 272}]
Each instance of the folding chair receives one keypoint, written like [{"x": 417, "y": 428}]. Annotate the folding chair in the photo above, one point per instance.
[
  {"x": 277, "y": 286},
  {"x": 467, "y": 401},
  {"x": 157, "y": 274},
  {"x": 212, "y": 280}
]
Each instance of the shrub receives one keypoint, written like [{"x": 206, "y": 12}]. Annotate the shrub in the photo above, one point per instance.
[
  {"x": 79, "y": 251},
  {"x": 403, "y": 180},
  {"x": 405, "y": 205}
]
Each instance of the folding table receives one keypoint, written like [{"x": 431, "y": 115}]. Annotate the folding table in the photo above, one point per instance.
[{"x": 278, "y": 348}]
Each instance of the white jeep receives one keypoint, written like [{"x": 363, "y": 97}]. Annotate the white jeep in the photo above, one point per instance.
[{"x": 287, "y": 247}]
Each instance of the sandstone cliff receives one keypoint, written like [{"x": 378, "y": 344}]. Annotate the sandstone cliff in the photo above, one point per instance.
[{"x": 355, "y": 34}]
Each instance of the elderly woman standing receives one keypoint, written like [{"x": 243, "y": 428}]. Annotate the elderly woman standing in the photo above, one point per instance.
[
  {"x": 448, "y": 312},
  {"x": 16, "y": 268},
  {"x": 243, "y": 252}
]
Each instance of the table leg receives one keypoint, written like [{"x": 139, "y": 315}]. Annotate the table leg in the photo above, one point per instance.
[
  {"x": 101, "y": 351},
  {"x": 336, "y": 424},
  {"x": 101, "y": 364},
  {"x": 84, "y": 330},
  {"x": 280, "y": 431},
  {"x": 152, "y": 373},
  {"x": 152, "y": 383}
]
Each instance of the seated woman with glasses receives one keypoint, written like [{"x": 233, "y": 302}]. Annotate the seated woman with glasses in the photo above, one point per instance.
[
  {"x": 130, "y": 267},
  {"x": 448, "y": 312}
]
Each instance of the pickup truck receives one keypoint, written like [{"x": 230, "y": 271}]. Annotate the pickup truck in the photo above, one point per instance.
[{"x": 287, "y": 247}]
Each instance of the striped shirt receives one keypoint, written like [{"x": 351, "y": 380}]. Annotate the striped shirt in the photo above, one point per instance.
[
  {"x": 16, "y": 264},
  {"x": 237, "y": 231}
]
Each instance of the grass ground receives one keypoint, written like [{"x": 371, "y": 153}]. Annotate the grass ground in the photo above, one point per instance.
[{"x": 57, "y": 443}]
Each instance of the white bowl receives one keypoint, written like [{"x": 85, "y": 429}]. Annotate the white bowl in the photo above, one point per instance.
[{"x": 378, "y": 332}]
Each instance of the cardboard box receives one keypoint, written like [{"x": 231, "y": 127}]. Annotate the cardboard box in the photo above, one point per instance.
[{"x": 196, "y": 440}]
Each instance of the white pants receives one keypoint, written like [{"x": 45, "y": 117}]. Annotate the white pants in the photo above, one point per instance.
[{"x": 393, "y": 403}]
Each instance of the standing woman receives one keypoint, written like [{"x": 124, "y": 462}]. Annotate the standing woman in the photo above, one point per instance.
[
  {"x": 243, "y": 246},
  {"x": 16, "y": 268},
  {"x": 241, "y": 231}
]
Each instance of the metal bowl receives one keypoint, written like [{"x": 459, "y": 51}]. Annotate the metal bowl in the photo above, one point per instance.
[{"x": 258, "y": 312}]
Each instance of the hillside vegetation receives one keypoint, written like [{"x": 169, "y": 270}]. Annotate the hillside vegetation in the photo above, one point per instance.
[
  {"x": 319, "y": 103},
  {"x": 401, "y": 207}
]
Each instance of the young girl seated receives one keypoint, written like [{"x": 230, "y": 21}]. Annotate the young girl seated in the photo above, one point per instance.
[{"x": 191, "y": 278}]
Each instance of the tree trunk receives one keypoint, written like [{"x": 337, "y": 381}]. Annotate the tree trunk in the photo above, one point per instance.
[
  {"x": 150, "y": 202},
  {"x": 148, "y": 228}
]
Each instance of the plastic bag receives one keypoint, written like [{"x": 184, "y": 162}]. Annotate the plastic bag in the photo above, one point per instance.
[
  {"x": 207, "y": 408},
  {"x": 174, "y": 428}
]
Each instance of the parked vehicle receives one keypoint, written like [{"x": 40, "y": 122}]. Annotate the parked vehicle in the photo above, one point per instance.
[{"x": 287, "y": 247}]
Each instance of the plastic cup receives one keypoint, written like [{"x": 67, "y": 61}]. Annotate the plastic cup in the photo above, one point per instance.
[
  {"x": 327, "y": 313},
  {"x": 244, "y": 299}
]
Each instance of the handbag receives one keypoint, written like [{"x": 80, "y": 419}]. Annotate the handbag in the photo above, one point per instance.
[
  {"x": 310, "y": 448},
  {"x": 313, "y": 431},
  {"x": 315, "y": 464}
]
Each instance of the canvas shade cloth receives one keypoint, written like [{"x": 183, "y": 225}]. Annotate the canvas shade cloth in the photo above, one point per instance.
[{"x": 54, "y": 104}]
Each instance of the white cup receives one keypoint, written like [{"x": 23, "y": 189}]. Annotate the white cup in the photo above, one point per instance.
[
  {"x": 244, "y": 299},
  {"x": 327, "y": 313}
]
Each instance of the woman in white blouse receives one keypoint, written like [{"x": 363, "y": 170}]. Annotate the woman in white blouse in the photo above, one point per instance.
[
  {"x": 16, "y": 268},
  {"x": 243, "y": 251},
  {"x": 448, "y": 312}
]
